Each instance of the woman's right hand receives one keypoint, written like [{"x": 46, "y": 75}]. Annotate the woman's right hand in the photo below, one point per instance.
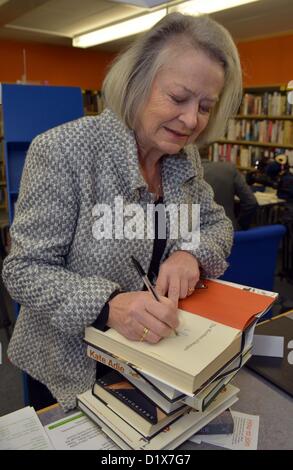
[{"x": 131, "y": 313}]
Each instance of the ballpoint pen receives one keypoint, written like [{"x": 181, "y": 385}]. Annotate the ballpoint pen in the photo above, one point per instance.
[{"x": 146, "y": 281}]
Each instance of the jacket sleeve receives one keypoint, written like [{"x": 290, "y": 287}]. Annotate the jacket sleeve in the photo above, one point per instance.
[
  {"x": 215, "y": 229},
  {"x": 35, "y": 271}
]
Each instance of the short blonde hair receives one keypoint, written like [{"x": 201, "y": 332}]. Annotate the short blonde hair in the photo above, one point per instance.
[{"x": 129, "y": 80}]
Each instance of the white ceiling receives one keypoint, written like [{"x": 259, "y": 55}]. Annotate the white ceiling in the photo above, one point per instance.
[{"x": 57, "y": 21}]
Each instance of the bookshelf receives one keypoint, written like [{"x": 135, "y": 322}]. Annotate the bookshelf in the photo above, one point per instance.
[
  {"x": 262, "y": 129},
  {"x": 90, "y": 102},
  {"x": 93, "y": 102},
  {"x": 29, "y": 110}
]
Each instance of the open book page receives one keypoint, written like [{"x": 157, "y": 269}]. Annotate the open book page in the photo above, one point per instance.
[
  {"x": 199, "y": 342},
  {"x": 231, "y": 305}
]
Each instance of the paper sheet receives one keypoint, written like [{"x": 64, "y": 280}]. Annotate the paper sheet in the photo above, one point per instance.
[
  {"x": 22, "y": 430},
  {"x": 267, "y": 345},
  {"x": 244, "y": 437},
  {"x": 78, "y": 432}
]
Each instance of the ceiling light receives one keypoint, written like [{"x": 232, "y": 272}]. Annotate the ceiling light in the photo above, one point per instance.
[
  {"x": 198, "y": 7},
  {"x": 142, "y": 3},
  {"x": 119, "y": 30}
]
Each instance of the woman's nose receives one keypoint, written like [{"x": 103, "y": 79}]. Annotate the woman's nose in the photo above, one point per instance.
[{"x": 190, "y": 117}]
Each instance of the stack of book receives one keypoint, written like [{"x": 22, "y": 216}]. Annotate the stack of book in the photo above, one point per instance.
[{"x": 157, "y": 396}]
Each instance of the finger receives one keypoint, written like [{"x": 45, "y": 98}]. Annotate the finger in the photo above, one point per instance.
[
  {"x": 158, "y": 317},
  {"x": 183, "y": 288},
  {"x": 162, "y": 283},
  {"x": 191, "y": 287},
  {"x": 148, "y": 336},
  {"x": 174, "y": 289},
  {"x": 172, "y": 315}
]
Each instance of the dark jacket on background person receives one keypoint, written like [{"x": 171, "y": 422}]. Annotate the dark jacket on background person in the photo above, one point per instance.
[{"x": 227, "y": 182}]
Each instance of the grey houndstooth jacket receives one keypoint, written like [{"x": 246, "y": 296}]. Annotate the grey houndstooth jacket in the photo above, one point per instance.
[{"x": 58, "y": 271}]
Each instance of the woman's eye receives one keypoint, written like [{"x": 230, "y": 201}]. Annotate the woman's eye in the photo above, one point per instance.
[
  {"x": 205, "y": 109},
  {"x": 177, "y": 99}
]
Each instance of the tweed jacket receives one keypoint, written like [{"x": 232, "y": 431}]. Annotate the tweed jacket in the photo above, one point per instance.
[{"x": 58, "y": 271}]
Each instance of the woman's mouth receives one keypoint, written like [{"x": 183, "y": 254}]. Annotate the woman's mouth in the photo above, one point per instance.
[{"x": 176, "y": 134}]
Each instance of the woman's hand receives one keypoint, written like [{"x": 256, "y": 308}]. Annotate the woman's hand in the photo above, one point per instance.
[
  {"x": 178, "y": 276},
  {"x": 138, "y": 316}
]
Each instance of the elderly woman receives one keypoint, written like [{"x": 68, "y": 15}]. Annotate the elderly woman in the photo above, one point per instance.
[{"x": 175, "y": 87}]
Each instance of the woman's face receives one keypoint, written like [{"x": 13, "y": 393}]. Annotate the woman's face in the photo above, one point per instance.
[{"x": 182, "y": 96}]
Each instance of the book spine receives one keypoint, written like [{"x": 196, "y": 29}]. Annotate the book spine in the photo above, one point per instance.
[
  {"x": 127, "y": 369},
  {"x": 111, "y": 361}
]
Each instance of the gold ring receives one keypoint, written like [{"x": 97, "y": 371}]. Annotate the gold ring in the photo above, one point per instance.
[
  {"x": 190, "y": 290},
  {"x": 145, "y": 332}
]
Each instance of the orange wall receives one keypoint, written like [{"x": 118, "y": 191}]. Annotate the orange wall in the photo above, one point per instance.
[
  {"x": 267, "y": 61},
  {"x": 55, "y": 65}
]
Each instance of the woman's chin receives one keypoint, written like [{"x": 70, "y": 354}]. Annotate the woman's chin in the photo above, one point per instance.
[{"x": 171, "y": 147}]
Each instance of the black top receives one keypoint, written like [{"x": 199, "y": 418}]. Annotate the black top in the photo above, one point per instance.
[
  {"x": 159, "y": 243},
  {"x": 158, "y": 250}
]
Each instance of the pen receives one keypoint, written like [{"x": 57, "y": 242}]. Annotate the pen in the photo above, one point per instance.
[{"x": 146, "y": 281}]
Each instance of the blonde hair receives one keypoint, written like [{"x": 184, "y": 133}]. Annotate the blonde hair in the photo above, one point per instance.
[{"x": 129, "y": 80}]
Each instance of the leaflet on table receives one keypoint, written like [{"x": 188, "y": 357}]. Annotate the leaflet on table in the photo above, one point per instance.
[
  {"x": 22, "y": 430},
  {"x": 78, "y": 432},
  {"x": 267, "y": 345},
  {"x": 244, "y": 437}
]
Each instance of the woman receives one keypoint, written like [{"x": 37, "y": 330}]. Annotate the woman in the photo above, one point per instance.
[{"x": 174, "y": 87}]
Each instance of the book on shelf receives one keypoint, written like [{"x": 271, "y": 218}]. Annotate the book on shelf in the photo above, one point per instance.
[
  {"x": 213, "y": 323},
  {"x": 166, "y": 397},
  {"x": 126, "y": 437},
  {"x": 124, "y": 399},
  {"x": 277, "y": 370}
]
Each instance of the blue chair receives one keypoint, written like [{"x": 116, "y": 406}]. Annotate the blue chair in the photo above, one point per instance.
[{"x": 253, "y": 259}]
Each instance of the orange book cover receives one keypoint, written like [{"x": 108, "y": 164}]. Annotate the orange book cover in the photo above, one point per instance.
[{"x": 231, "y": 306}]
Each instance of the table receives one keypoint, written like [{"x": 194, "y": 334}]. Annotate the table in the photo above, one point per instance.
[
  {"x": 257, "y": 396},
  {"x": 274, "y": 407},
  {"x": 269, "y": 208}
]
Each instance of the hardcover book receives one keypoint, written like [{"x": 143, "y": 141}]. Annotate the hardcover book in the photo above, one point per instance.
[
  {"x": 201, "y": 400},
  {"x": 167, "y": 398},
  {"x": 132, "y": 405},
  {"x": 169, "y": 438},
  {"x": 162, "y": 394},
  {"x": 277, "y": 370},
  {"x": 212, "y": 322}
]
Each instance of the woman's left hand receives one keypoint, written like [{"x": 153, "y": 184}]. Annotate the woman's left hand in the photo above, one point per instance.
[{"x": 178, "y": 276}]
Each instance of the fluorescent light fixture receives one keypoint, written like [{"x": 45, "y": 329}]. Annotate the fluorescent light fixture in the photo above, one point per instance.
[
  {"x": 119, "y": 30},
  {"x": 142, "y": 3},
  {"x": 144, "y": 22},
  {"x": 198, "y": 7}
]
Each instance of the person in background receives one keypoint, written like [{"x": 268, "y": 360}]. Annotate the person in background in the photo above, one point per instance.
[
  {"x": 227, "y": 182},
  {"x": 173, "y": 89}
]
